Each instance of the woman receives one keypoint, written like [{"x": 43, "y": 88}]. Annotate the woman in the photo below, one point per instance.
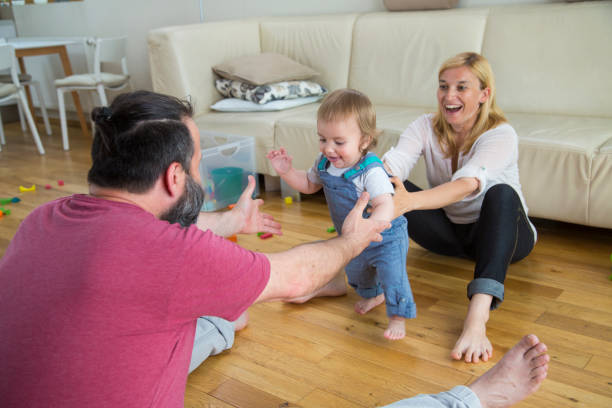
[{"x": 475, "y": 207}]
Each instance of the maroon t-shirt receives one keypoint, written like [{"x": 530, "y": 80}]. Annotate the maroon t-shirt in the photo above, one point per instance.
[{"x": 98, "y": 301}]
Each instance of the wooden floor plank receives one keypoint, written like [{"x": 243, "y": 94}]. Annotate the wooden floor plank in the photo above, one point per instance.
[
  {"x": 319, "y": 398},
  {"x": 259, "y": 376},
  {"x": 194, "y": 398},
  {"x": 579, "y": 326},
  {"x": 241, "y": 395}
]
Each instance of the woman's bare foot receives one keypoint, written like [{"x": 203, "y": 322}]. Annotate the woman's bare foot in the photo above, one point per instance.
[
  {"x": 473, "y": 344},
  {"x": 365, "y": 305},
  {"x": 335, "y": 287},
  {"x": 241, "y": 322},
  {"x": 518, "y": 374},
  {"x": 396, "y": 329}
]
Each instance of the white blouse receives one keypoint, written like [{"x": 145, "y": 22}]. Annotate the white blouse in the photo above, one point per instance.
[{"x": 493, "y": 159}]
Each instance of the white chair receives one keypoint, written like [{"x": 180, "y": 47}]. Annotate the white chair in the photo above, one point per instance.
[
  {"x": 14, "y": 91},
  {"x": 26, "y": 80},
  {"x": 104, "y": 50}
]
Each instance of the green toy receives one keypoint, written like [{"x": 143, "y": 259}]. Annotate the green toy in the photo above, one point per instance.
[{"x": 4, "y": 201}]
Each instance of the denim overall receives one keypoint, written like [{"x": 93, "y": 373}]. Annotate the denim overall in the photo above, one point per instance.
[{"x": 381, "y": 267}]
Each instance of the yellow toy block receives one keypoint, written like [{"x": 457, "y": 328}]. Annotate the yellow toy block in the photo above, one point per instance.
[{"x": 22, "y": 189}]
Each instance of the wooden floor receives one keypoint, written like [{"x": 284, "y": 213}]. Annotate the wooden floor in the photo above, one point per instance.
[{"x": 322, "y": 354}]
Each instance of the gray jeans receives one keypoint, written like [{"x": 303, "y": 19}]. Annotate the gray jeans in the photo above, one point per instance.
[
  {"x": 214, "y": 335},
  {"x": 459, "y": 397}
]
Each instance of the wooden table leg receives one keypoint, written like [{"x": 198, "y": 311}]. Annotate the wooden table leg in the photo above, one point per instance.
[{"x": 27, "y": 90}]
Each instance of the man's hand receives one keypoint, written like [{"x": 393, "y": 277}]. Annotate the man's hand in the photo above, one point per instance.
[
  {"x": 361, "y": 231},
  {"x": 304, "y": 269},
  {"x": 250, "y": 220}
]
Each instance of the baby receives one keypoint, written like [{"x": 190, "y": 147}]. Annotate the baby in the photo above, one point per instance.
[{"x": 346, "y": 125}]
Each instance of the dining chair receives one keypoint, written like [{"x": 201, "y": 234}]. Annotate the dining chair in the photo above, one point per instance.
[
  {"x": 98, "y": 51},
  {"x": 26, "y": 80},
  {"x": 14, "y": 91}
]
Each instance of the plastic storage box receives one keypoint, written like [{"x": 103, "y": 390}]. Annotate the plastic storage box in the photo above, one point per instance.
[{"x": 227, "y": 161}]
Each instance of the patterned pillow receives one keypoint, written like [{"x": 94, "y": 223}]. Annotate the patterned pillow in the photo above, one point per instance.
[{"x": 271, "y": 92}]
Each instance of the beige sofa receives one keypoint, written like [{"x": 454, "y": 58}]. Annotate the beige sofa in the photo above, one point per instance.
[{"x": 553, "y": 66}]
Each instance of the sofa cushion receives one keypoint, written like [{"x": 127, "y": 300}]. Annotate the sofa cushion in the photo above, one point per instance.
[
  {"x": 552, "y": 58},
  {"x": 264, "y": 68},
  {"x": 555, "y": 162},
  {"x": 259, "y": 125},
  {"x": 396, "y": 56},
  {"x": 263, "y": 94},
  {"x": 321, "y": 42},
  {"x": 600, "y": 193},
  {"x": 240, "y": 105}
]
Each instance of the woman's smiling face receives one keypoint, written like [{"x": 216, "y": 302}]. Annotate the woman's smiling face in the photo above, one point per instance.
[{"x": 459, "y": 98}]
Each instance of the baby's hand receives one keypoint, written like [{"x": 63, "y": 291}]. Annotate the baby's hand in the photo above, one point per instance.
[{"x": 280, "y": 160}]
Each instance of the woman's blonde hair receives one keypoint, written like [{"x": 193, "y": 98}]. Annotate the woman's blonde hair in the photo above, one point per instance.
[
  {"x": 489, "y": 114},
  {"x": 343, "y": 103}
]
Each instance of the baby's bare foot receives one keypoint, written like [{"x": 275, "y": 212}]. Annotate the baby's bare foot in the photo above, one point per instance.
[
  {"x": 365, "y": 305},
  {"x": 473, "y": 344},
  {"x": 396, "y": 329},
  {"x": 518, "y": 374}
]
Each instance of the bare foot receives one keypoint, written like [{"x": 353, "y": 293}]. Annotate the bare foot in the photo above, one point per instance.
[
  {"x": 335, "y": 287},
  {"x": 473, "y": 344},
  {"x": 365, "y": 305},
  {"x": 241, "y": 322},
  {"x": 396, "y": 329},
  {"x": 518, "y": 374}
]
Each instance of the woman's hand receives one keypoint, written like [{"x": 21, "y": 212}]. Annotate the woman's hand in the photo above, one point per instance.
[{"x": 402, "y": 199}]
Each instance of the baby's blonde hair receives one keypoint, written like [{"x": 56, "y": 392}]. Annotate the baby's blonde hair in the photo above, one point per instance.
[
  {"x": 489, "y": 114},
  {"x": 343, "y": 103}
]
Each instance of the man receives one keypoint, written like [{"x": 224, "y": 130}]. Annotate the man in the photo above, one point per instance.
[{"x": 100, "y": 293}]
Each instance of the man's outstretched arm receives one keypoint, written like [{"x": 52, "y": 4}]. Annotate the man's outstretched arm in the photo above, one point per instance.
[{"x": 305, "y": 268}]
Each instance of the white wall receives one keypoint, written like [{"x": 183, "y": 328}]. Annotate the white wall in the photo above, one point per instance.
[
  {"x": 215, "y": 10},
  {"x": 134, "y": 19},
  {"x": 105, "y": 18},
  {"x": 230, "y": 9},
  {"x": 488, "y": 3}
]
